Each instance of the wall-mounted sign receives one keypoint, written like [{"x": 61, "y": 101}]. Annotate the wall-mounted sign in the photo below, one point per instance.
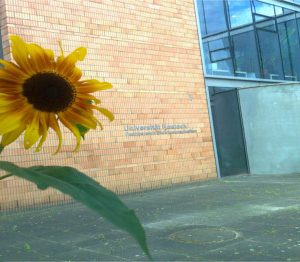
[{"x": 157, "y": 129}]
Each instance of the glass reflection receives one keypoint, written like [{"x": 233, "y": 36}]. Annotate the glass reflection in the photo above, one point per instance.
[
  {"x": 239, "y": 12},
  {"x": 246, "y": 59},
  {"x": 263, "y": 9},
  {"x": 292, "y": 36},
  {"x": 215, "y": 16},
  {"x": 270, "y": 55},
  {"x": 219, "y": 43},
  {"x": 218, "y": 55},
  {"x": 262, "y": 40},
  {"x": 201, "y": 17},
  {"x": 285, "y": 53},
  {"x": 214, "y": 66}
]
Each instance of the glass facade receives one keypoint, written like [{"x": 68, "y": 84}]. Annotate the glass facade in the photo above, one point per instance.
[{"x": 250, "y": 39}]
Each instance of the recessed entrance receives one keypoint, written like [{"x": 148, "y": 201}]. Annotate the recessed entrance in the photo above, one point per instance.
[{"x": 228, "y": 131}]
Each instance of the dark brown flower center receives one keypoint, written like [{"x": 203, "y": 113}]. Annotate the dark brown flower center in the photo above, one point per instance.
[{"x": 49, "y": 92}]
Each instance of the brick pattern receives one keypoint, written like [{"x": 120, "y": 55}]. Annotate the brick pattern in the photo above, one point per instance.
[{"x": 149, "y": 51}]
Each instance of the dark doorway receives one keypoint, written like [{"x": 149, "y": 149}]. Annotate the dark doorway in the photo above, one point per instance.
[{"x": 228, "y": 131}]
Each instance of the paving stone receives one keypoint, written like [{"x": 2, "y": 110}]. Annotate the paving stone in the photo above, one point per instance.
[{"x": 238, "y": 218}]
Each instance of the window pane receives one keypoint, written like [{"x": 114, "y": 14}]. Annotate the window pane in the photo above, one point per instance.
[
  {"x": 218, "y": 44},
  {"x": 219, "y": 55},
  {"x": 263, "y": 8},
  {"x": 294, "y": 46},
  {"x": 287, "y": 11},
  {"x": 215, "y": 16},
  {"x": 290, "y": 48},
  {"x": 246, "y": 58},
  {"x": 239, "y": 12},
  {"x": 267, "y": 24},
  {"x": 278, "y": 10},
  {"x": 201, "y": 17},
  {"x": 285, "y": 50},
  {"x": 220, "y": 68},
  {"x": 270, "y": 53}
]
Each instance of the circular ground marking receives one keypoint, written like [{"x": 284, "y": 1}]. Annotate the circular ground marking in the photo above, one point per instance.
[{"x": 204, "y": 235}]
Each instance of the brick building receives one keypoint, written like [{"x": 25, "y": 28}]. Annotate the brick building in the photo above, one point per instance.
[{"x": 149, "y": 50}]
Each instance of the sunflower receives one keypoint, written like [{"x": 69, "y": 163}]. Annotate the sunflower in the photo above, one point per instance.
[{"x": 39, "y": 92}]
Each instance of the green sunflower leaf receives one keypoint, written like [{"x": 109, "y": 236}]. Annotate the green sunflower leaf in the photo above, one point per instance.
[
  {"x": 1, "y": 148},
  {"x": 85, "y": 190},
  {"x": 82, "y": 129}
]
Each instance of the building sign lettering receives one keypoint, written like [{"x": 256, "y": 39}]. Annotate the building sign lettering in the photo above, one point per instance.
[{"x": 157, "y": 129}]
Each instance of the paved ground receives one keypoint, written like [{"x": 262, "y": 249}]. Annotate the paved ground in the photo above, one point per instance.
[{"x": 241, "y": 218}]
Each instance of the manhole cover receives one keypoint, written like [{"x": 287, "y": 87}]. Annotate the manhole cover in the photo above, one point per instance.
[{"x": 204, "y": 235}]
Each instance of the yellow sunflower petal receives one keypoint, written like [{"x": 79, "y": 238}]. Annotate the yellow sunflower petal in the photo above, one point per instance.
[
  {"x": 10, "y": 121},
  {"x": 32, "y": 133},
  {"x": 8, "y": 107},
  {"x": 65, "y": 65},
  {"x": 61, "y": 48},
  {"x": 83, "y": 107},
  {"x": 76, "y": 75},
  {"x": 77, "y": 117},
  {"x": 99, "y": 123},
  {"x": 55, "y": 126},
  {"x": 43, "y": 130},
  {"x": 105, "y": 112},
  {"x": 88, "y": 97},
  {"x": 93, "y": 85},
  {"x": 49, "y": 54},
  {"x": 72, "y": 128},
  {"x": 7, "y": 82},
  {"x": 11, "y": 71},
  {"x": 39, "y": 58},
  {"x": 78, "y": 54},
  {"x": 10, "y": 89},
  {"x": 20, "y": 53},
  {"x": 10, "y": 101},
  {"x": 10, "y": 137}
]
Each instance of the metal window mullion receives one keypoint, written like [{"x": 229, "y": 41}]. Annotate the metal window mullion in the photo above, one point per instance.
[
  {"x": 298, "y": 29},
  {"x": 285, "y": 17},
  {"x": 256, "y": 36},
  {"x": 204, "y": 16},
  {"x": 270, "y": 19},
  {"x": 220, "y": 60},
  {"x": 241, "y": 26},
  {"x": 298, "y": 33},
  {"x": 254, "y": 8},
  {"x": 220, "y": 49},
  {"x": 266, "y": 16},
  {"x": 280, "y": 51},
  {"x": 217, "y": 60},
  {"x": 231, "y": 44},
  {"x": 266, "y": 30},
  {"x": 289, "y": 49}
]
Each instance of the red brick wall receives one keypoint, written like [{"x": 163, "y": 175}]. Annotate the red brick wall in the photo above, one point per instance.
[{"x": 149, "y": 51}]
